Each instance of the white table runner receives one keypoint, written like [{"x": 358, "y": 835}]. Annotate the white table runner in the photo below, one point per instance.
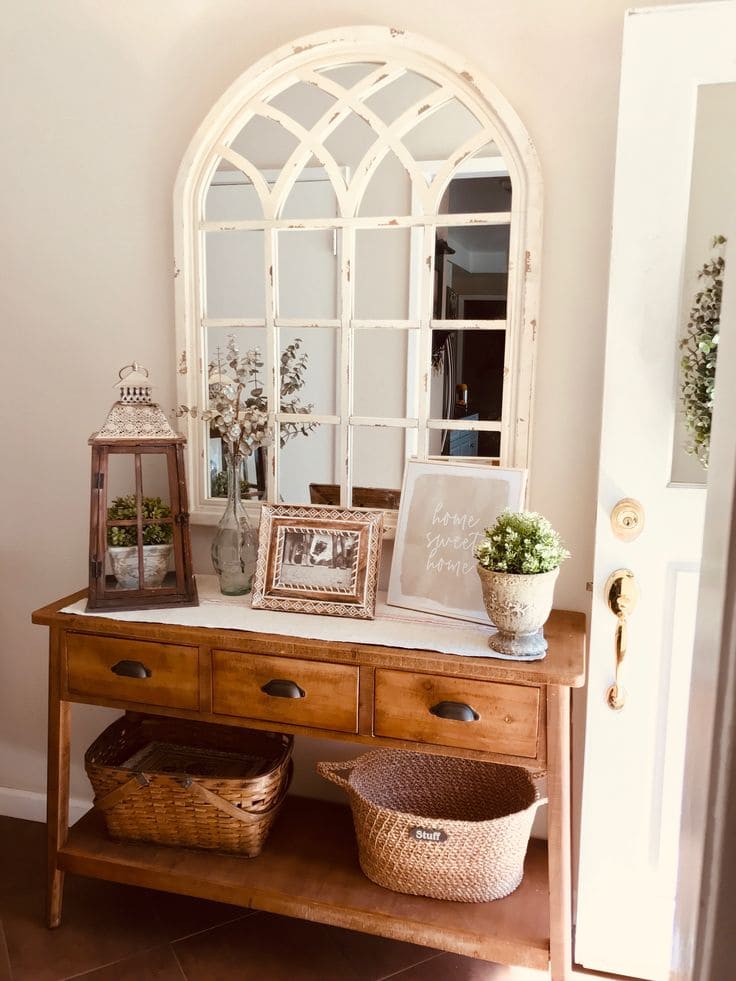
[{"x": 392, "y": 626}]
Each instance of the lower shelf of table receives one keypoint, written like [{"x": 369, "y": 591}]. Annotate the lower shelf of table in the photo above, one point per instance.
[{"x": 309, "y": 869}]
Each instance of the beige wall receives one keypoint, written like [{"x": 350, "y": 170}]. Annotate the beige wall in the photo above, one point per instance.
[{"x": 99, "y": 101}]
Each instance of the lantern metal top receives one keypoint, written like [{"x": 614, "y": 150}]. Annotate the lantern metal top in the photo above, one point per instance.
[
  {"x": 134, "y": 384},
  {"x": 135, "y": 416}
]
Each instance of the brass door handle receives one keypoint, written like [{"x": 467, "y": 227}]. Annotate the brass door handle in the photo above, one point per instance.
[{"x": 622, "y": 595}]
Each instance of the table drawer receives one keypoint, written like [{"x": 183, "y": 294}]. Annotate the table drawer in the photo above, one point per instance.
[
  {"x": 285, "y": 689},
  {"x": 505, "y": 718},
  {"x": 163, "y": 674}
]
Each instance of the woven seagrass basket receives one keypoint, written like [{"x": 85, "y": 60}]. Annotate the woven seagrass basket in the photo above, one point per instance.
[
  {"x": 438, "y": 826},
  {"x": 176, "y": 782}
]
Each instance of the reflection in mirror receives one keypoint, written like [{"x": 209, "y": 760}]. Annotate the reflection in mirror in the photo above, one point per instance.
[
  {"x": 235, "y": 275},
  {"x": 712, "y": 207},
  {"x": 382, "y": 258},
  {"x": 467, "y": 383},
  {"x": 388, "y": 191},
  {"x": 312, "y": 196},
  {"x": 316, "y": 349},
  {"x": 253, "y": 474},
  {"x": 304, "y": 460},
  {"x": 231, "y": 196},
  {"x": 379, "y": 455},
  {"x": 441, "y": 132},
  {"x": 304, "y": 103},
  {"x": 350, "y": 141},
  {"x": 401, "y": 94},
  {"x": 471, "y": 265},
  {"x": 478, "y": 194},
  {"x": 307, "y": 274},
  {"x": 380, "y": 373},
  {"x": 350, "y": 74},
  {"x": 265, "y": 143}
]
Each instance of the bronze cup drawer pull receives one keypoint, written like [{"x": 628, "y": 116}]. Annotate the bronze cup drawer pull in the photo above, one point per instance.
[
  {"x": 131, "y": 669},
  {"x": 458, "y": 711},
  {"x": 281, "y": 688}
]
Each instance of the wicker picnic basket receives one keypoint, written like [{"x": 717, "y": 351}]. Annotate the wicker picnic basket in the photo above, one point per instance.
[
  {"x": 176, "y": 782},
  {"x": 438, "y": 826}
]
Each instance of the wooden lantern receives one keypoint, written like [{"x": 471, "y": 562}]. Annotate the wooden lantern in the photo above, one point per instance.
[{"x": 139, "y": 546}]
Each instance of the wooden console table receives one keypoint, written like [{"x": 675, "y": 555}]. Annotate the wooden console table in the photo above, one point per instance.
[{"x": 379, "y": 696}]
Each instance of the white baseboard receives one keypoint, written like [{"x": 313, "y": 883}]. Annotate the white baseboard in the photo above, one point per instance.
[{"x": 32, "y": 806}]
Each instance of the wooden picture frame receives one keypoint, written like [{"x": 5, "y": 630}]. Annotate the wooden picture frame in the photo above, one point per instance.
[
  {"x": 315, "y": 559},
  {"x": 445, "y": 508}
]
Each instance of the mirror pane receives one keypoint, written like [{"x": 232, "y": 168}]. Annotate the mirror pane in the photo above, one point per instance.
[
  {"x": 468, "y": 365},
  {"x": 307, "y": 274},
  {"x": 350, "y": 140},
  {"x": 711, "y": 208},
  {"x": 312, "y": 196},
  {"x": 469, "y": 195},
  {"x": 379, "y": 455},
  {"x": 231, "y": 196},
  {"x": 306, "y": 460},
  {"x": 305, "y": 103},
  {"x": 380, "y": 373},
  {"x": 388, "y": 191},
  {"x": 350, "y": 74},
  {"x": 246, "y": 339},
  {"x": 309, "y": 369},
  {"x": 381, "y": 274},
  {"x": 266, "y": 143},
  {"x": 235, "y": 275},
  {"x": 440, "y": 132},
  {"x": 252, "y": 472},
  {"x": 395, "y": 98},
  {"x": 466, "y": 383},
  {"x": 471, "y": 272}
]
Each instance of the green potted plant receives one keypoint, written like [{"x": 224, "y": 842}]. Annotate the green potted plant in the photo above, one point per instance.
[
  {"x": 518, "y": 563},
  {"x": 700, "y": 354},
  {"x": 121, "y": 541}
]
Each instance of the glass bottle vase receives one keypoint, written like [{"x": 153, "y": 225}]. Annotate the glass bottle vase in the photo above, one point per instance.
[{"x": 235, "y": 545}]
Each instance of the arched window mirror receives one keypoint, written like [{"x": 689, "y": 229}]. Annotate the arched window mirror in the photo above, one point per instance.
[{"x": 364, "y": 199}]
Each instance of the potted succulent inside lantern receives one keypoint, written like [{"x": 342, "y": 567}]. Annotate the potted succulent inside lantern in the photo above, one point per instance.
[
  {"x": 518, "y": 564},
  {"x": 121, "y": 542}
]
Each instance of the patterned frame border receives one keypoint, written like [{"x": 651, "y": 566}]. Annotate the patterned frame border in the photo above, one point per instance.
[{"x": 276, "y": 518}]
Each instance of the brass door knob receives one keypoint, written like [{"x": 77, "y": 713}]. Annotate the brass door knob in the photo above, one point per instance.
[
  {"x": 622, "y": 595},
  {"x": 627, "y": 519}
]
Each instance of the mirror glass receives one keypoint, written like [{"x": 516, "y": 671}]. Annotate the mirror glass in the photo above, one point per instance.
[
  {"x": 712, "y": 203},
  {"x": 356, "y": 231}
]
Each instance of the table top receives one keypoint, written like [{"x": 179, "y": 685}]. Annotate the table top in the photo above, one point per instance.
[{"x": 418, "y": 641}]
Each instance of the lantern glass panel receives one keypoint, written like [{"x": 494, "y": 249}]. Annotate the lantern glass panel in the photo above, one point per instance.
[{"x": 139, "y": 522}]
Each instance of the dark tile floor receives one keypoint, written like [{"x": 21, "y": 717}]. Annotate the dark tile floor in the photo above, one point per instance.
[{"x": 111, "y": 932}]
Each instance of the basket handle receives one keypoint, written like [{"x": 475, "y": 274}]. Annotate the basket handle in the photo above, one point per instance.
[
  {"x": 246, "y": 817},
  {"x": 122, "y": 792},
  {"x": 332, "y": 772},
  {"x": 139, "y": 780}
]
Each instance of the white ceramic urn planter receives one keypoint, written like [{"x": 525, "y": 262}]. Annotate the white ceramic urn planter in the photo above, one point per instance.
[
  {"x": 518, "y": 605},
  {"x": 124, "y": 561}
]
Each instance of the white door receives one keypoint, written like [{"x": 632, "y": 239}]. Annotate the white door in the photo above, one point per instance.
[{"x": 634, "y": 757}]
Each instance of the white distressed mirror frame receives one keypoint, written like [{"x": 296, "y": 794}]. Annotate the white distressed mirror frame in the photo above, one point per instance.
[{"x": 500, "y": 124}]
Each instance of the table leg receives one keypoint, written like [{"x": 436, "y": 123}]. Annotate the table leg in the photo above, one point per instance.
[
  {"x": 57, "y": 784},
  {"x": 558, "y": 832}
]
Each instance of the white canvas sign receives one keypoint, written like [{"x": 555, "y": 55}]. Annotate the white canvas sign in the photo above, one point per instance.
[{"x": 445, "y": 508}]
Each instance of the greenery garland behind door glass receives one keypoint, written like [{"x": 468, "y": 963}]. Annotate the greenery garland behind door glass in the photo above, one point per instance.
[{"x": 700, "y": 346}]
